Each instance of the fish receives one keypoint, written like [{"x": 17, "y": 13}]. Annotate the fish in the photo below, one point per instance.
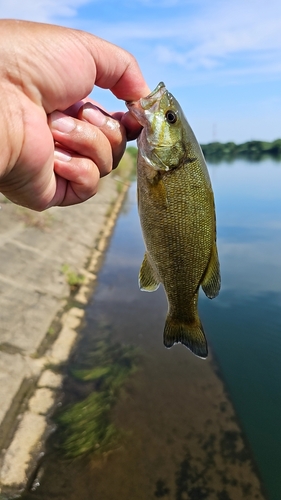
[{"x": 177, "y": 215}]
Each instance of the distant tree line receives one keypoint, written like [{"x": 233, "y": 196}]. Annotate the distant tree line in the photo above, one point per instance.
[{"x": 215, "y": 152}]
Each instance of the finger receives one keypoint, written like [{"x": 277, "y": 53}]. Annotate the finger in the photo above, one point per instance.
[
  {"x": 82, "y": 138},
  {"x": 94, "y": 60},
  {"x": 133, "y": 128},
  {"x": 77, "y": 178},
  {"x": 75, "y": 108},
  {"x": 110, "y": 126},
  {"x": 131, "y": 125}
]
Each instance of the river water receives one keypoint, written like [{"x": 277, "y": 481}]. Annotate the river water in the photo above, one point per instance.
[
  {"x": 246, "y": 325},
  {"x": 167, "y": 428}
]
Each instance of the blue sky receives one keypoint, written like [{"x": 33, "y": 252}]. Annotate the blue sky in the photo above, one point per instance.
[{"x": 220, "y": 58}]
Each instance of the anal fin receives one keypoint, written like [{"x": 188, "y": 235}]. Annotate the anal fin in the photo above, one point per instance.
[
  {"x": 212, "y": 281},
  {"x": 148, "y": 281}
]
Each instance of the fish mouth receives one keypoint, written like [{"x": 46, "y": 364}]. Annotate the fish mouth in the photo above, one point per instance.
[
  {"x": 150, "y": 102},
  {"x": 153, "y": 97}
]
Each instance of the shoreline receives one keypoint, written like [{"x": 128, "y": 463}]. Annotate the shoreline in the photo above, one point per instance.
[{"x": 29, "y": 384}]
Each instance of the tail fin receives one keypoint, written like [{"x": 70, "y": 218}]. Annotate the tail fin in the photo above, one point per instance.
[{"x": 189, "y": 334}]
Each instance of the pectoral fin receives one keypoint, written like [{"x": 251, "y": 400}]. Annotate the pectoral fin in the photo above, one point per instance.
[
  {"x": 160, "y": 194},
  {"x": 157, "y": 190},
  {"x": 148, "y": 281},
  {"x": 212, "y": 281}
]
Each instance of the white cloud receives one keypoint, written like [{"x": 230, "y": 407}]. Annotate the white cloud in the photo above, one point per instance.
[
  {"x": 40, "y": 10},
  {"x": 237, "y": 39}
]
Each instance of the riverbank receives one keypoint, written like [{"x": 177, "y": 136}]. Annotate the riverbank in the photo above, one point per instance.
[{"x": 48, "y": 263}]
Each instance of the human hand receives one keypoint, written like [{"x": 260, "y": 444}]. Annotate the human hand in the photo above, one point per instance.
[{"x": 53, "y": 150}]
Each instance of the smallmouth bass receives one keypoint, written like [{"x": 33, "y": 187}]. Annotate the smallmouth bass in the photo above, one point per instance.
[{"x": 177, "y": 215}]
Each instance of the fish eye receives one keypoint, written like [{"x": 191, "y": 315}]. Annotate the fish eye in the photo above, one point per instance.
[{"x": 171, "y": 116}]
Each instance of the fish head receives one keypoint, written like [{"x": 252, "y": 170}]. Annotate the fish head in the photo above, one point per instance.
[{"x": 161, "y": 141}]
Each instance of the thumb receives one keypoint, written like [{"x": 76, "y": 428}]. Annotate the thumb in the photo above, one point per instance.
[{"x": 59, "y": 78}]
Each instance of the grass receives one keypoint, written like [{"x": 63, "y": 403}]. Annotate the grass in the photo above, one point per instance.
[{"x": 72, "y": 277}]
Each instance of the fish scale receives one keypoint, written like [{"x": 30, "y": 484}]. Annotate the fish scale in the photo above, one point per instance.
[{"x": 177, "y": 215}]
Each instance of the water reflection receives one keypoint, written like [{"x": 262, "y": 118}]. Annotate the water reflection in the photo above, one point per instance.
[
  {"x": 245, "y": 323},
  {"x": 181, "y": 439},
  {"x": 249, "y": 225}
]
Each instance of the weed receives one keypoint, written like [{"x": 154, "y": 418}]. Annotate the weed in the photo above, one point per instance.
[
  {"x": 72, "y": 277},
  {"x": 86, "y": 427}
]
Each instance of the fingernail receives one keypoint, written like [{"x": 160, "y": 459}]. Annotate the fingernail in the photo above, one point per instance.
[
  {"x": 62, "y": 122},
  {"x": 94, "y": 115},
  {"x": 62, "y": 155}
]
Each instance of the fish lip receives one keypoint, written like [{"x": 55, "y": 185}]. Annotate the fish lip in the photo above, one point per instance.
[
  {"x": 136, "y": 110},
  {"x": 161, "y": 89},
  {"x": 150, "y": 102}
]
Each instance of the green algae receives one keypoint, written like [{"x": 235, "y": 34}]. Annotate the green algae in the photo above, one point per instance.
[{"x": 85, "y": 427}]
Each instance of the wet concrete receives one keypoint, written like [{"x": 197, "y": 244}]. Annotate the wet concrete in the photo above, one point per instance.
[{"x": 40, "y": 255}]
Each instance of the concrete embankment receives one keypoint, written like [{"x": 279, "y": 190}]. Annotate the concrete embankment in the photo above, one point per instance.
[{"x": 42, "y": 257}]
